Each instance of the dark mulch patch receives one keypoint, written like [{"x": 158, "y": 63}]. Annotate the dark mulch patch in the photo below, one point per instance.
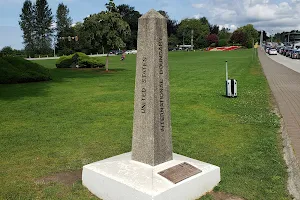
[
  {"x": 224, "y": 196},
  {"x": 66, "y": 178}
]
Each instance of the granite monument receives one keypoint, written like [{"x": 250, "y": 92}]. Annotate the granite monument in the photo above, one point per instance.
[{"x": 151, "y": 171}]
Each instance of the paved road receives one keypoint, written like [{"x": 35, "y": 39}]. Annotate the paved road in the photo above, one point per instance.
[
  {"x": 52, "y": 58},
  {"x": 285, "y": 85},
  {"x": 293, "y": 64}
]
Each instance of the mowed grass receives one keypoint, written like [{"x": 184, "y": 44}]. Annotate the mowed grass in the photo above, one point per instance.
[{"x": 83, "y": 116}]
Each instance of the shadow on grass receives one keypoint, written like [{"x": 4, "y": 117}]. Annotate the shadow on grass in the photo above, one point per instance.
[
  {"x": 225, "y": 96},
  {"x": 61, "y": 75},
  {"x": 11, "y": 92}
]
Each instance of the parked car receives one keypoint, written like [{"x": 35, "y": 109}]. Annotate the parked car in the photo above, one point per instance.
[
  {"x": 267, "y": 50},
  {"x": 280, "y": 50},
  {"x": 272, "y": 51},
  {"x": 131, "y": 52},
  {"x": 296, "y": 54},
  {"x": 118, "y": 52},
  {"x": 296, "y": 46},
  {"x": 288, "y": 52},
  {"x": 284, "y": 51},
  {"x": 134, "y": 51}
]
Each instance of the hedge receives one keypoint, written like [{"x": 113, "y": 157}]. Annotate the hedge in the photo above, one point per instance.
[
  {"x": 80, "y": 60},
  {"x": 19, "y": 70}
]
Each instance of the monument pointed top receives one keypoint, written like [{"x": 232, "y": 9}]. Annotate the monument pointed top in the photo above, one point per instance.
[{"x": 153, "y": 14}]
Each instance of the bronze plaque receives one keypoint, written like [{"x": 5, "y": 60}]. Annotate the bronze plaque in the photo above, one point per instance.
[{"x": 180, "y": 172}]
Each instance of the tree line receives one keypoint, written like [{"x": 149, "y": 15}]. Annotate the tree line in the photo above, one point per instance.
[
  {"x": 115, "y": 28},
  {"x": 36, "y": 23}
]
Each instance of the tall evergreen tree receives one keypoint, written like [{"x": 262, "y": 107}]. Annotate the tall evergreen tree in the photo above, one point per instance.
[
  {"x": 64, "y": 29},
  {"x": 63, "y": 21},
  {"x": 27, "y": 26},
  {"x": 43, "y": 26}
]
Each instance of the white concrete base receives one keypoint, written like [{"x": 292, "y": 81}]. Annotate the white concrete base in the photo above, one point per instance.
[{"x": 120, "y": 178}]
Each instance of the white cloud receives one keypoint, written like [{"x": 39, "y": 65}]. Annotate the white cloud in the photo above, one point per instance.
[
  {"x": 231, "y": 27},
  {"x": 263, "y": 14}
]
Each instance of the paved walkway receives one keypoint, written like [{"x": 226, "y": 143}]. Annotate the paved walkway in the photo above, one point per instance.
[
  {"x": 52, "y": 58},
  {"x": 285, "y": 85}
]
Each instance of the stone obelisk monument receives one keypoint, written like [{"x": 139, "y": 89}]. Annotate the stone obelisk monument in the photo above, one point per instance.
[
  {"x": 152, "y": 139},
  {"x": 151, "y": 171}
]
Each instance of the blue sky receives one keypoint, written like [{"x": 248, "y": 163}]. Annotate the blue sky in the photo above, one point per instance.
[{"x": 276, "y": 15}]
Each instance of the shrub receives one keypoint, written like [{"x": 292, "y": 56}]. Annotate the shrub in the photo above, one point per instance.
[
  {"x": 80, "y": 59},
  {"x": 222, "y": 43},
  {"x": 212, "y": 38},
  {"x": 64, "y": 62},
  {"x": 91, "y": 63},
  {"x": 19, "y": 70}
]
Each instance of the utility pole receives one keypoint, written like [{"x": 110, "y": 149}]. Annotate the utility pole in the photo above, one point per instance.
[
  {"x": 192, "y": 40},
  {"x": 54, "y": 45},
  {"x": 272, "y": 36}
]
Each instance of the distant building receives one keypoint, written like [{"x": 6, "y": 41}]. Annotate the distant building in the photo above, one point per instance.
[{"x": 292, "y": 37}]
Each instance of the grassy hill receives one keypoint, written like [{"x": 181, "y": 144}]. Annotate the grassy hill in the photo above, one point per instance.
[{"x": 19, "y": 70}]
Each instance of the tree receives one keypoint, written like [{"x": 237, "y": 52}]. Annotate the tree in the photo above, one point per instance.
[
  {"x": 201, "y": 42},
  {"x": 245, "y": 35},
  {"x": 204, "y": 21},
  {"x": 105, "y": 29},
  {"x": 201, "y": 30},
  {"x": 64, "y": 29},
  {"x": 173, "y": 41},
  {"x": 27, "y": 20},
  {"x": 265, "y": 37},
  {"x": 7, "y": 51},
  {"x": 111, "y": 6},
  {"x": 172, "y": 25},
  {"x": 239, "y": 37},
  {"x": 250, "y": 31},
  {"x": 214, "y": 29},
  {"x": 83, "y": 45},
  {"x": 212, "y": 38},
  {"x": 43, "y": 26},
  {"x": 63, "y": 21},
  {"x": 131, "y": 16},
  {"x": 224, "y": 34}
]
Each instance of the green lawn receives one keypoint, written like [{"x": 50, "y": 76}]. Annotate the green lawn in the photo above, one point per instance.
[{"x": 83, "y": 116}]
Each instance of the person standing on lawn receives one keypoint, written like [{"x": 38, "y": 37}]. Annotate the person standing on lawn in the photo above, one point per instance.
[{"x": 123, "y": 56}]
